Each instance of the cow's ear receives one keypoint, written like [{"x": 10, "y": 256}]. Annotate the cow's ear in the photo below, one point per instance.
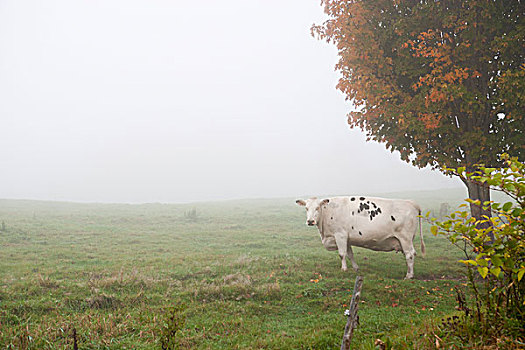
[
  {"x": 300, "y": 202},
  {"x": 325, "y": 201}
]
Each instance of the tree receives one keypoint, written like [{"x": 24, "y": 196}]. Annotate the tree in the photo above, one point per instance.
[{"x": 442, "y": 82}]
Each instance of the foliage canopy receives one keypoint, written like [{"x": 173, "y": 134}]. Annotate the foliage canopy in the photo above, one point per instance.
[{"x": 442, "y": 82}]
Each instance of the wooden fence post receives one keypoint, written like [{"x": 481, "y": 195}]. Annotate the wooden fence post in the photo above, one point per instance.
[{"x": 353, "y": 318}]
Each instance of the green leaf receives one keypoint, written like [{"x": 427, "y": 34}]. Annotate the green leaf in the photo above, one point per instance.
[
  {"x": 434, "y": 230},
  {"x": 507, "y": 206},
  {"x": 482, "y": 262},
  {"x": 521, "y": 273},
  {"x": 496, "y": 261},
  {"x": 483, "y": 271},
  {"x": 492, "y": 182},
  {"x": 495, "y": 271},
  {"x": 510, "y": 187},
  {"x": 471, "y": 262}
]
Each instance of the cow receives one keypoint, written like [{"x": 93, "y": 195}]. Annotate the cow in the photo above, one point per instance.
[{"x": 375, "y": 223}]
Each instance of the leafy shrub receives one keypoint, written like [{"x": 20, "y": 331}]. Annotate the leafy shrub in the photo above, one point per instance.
[
  {"x": 494, "y": 249},
  {"x": 172, "y": 324}
]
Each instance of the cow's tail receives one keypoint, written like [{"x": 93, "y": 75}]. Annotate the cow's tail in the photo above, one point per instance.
[{"x": 421, "y": 234}]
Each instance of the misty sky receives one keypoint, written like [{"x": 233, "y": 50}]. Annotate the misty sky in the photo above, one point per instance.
[{"x": 176, "y": 101}]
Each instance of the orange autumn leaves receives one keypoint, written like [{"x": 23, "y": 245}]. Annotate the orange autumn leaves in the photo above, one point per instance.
[
  {"x": 430, "y": 78},
  {"x": 438, "y": 47},
  {"x": 316, "y": 280}
]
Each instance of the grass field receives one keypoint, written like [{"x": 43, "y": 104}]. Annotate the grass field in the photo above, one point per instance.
[{"x": 249, "y": 274}]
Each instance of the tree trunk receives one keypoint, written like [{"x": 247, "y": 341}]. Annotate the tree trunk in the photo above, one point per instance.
[{"x": 481, "y": 192}]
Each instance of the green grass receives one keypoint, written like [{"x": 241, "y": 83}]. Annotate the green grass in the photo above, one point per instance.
[{"x": 243, "y": 270}]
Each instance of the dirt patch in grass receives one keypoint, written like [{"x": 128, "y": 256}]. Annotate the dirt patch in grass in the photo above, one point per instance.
[
  {"x": 103, "y": 301},
  {"x": 245, "y": 260},
  {"x": 237, "y": 279},
  {"x": 46, "y": 282},
  {"x": 232, "y": 287}
]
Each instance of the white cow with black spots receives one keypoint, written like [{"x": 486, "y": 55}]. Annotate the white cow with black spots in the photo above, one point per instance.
[{"x": 375, "y": 223}]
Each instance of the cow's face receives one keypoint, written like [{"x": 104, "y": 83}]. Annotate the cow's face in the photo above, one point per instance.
[{"x": 313, "y": 209}]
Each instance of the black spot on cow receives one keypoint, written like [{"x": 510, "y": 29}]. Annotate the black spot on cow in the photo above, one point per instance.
[
  {"x": 332, "y": 218},
  {"x": 373, "y": 213},
  {"x": 371, "y": 217},
  {"x": 366, "y": 206},
  {"x": 352, "y": 213},
  {"x": 379, "y": 210},
  {"x": 362, "y": 198},
  {"x": 393, "y": 218},
  {"x": 375, "y": 206},
  {"x": 360, "y": 234},
  {"x": 352, "y": 199},
  {"x": 352, "y": 227}
]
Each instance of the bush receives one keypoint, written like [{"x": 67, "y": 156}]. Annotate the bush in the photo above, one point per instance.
[
  {"x": 494, "y": 249},
  {"x": 172, "y": 324}
]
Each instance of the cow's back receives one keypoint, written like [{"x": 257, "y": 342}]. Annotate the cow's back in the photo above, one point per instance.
[{"x": 369, "y": 221}]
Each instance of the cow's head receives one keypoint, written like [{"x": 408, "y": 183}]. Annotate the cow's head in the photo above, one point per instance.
[{"x": 313, "y": 209}]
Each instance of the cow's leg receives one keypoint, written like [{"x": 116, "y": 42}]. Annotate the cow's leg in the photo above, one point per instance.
[
  {"x": 350, "y": 254},
  {"x": 341, "y": 241},
  {"x": 410, "y": 254}
]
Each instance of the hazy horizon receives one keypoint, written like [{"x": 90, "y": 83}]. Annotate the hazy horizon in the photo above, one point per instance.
[
  {"x": 445, "y": 194},
  {"x": 175, "y": 102}
]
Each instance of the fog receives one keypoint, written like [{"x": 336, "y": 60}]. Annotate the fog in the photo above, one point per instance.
[{"x": 178, "y": 101}]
